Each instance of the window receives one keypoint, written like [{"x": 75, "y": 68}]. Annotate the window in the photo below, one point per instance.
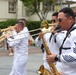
[
  {"x": 27, "y": 12},
  {"x": 12, "y": 7}
]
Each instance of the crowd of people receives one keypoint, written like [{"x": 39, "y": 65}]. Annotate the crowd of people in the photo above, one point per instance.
[{"x": 61, "y": 42}]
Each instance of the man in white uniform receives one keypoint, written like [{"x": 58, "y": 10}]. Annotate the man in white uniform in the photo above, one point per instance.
[
  {"x": 20, "y": 45},
  {"x": 54, "y": 41},
  {"x": 38, "y": 42},
  {"x": 67, "y": 54},
  {"x": 25, "y": 27}
]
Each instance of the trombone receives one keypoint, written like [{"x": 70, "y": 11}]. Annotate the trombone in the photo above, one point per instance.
[
  {"x": 44, "y": 23},
  {"x": 44, "y": 27},
  {"x": 6, "y": 29}
]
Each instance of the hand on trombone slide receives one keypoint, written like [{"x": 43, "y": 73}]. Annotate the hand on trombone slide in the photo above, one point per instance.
[
  {"x": 49, "y": 30},
  {"x": 6, "y": 36},
  {"x": 11, "y": 28}
]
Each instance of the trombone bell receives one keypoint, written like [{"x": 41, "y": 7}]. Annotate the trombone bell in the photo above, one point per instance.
[
  {"x": 47, "y": 27},
  {"x": 45, "y": 24}
]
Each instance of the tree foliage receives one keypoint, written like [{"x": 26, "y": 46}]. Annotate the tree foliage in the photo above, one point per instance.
[{"x": 34, "y": 7}]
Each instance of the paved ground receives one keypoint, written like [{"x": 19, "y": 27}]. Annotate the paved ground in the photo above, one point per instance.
[{"x": 34, "y": 62}]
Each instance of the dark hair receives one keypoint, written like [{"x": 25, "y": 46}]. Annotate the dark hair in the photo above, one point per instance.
[
  {"x": 22, "y": 19},
  {"x": 20, "y": 24},
  {"x": 68, "y": 12},
  {"x": 55, "y": 14}
]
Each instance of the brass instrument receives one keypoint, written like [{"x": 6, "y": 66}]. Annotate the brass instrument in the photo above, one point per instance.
[
  {"x": 2, "y": 42},
  {"x": 6, "y": 29},
  {"x": 2, "y": 38},
  {"x": 42, "y": 70},
  {"x": 45, "y": 23},
  {"x": 6, "y": 33}
]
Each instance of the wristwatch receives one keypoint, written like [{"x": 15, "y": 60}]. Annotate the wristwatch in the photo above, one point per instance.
[{"x": 57, "y": 58}]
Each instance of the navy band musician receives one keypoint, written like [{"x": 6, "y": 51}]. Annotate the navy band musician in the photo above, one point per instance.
[{"x": 67, "y": 51}]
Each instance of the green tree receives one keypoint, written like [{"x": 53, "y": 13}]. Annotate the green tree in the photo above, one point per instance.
[{"x": 34, "y": 7}]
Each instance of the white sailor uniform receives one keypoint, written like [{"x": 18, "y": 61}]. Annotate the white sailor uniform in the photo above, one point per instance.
[
  {"x": 68, "y": 55},
  {"x": 54, "y": 47},
  {"x": 20, "y": 45}
]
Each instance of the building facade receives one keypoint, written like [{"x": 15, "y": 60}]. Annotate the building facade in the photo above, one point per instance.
[{"x": 14, "y": 9}]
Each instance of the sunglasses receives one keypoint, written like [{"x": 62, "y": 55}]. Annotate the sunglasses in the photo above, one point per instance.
[
  {"x": 53, "y": 21},
  {"x": 60, "y": 20}
]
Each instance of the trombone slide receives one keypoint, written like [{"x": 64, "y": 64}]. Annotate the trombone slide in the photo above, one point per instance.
[
  {"x": 6, "y": 29},
  {"x": 2, "y": 38}
]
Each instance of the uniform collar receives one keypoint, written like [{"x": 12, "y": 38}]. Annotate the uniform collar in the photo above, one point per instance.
[{"x": 72, "y": 26}]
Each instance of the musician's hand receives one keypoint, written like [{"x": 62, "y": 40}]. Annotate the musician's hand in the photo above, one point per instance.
[
  {"x": 6, "y": 35},
  {"x": 50, "y": 58},
  {"x": 11, "y": 28},
  {"x": 52, "y": 28},
  {"x": 60, "y": 73}
]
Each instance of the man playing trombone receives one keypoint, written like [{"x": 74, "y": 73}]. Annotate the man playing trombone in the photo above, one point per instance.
[{"x": 20, "y": 46}]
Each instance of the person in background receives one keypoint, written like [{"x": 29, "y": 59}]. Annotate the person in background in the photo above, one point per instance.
[
  {"x": 38, "y": 42},
  {"x": 9, "y": 32},
  {"x": 26, "y": 30},
  {"x": 20, "y": 45},
  {"x": 67, "y": 54},
  {"x": 31, "y": 41}
]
